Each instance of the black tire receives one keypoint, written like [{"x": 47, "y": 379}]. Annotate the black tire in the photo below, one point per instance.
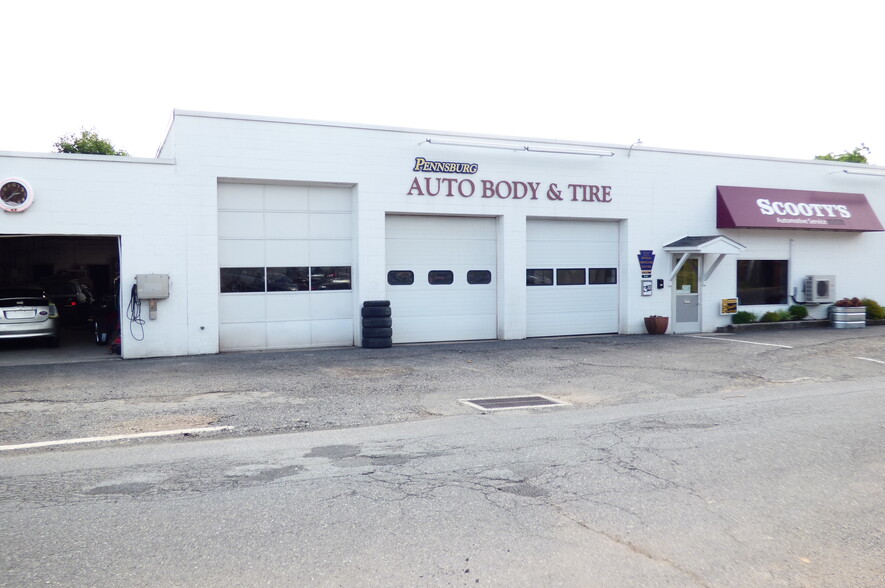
[
  {"x": 53, "y": 341},
  {"x": 377, "y": 342},
  {"x": 375, "y": 303},
  {"x": 376, "y": 323},
  {"x": 375, "y": 311},
  {"x": 377, "y": 332}
]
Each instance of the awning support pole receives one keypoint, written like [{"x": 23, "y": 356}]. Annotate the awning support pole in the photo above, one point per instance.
[{"x": 713, "y": 267}]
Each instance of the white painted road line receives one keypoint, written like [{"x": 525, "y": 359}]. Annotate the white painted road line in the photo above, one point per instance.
[
  {"x": 738, "y": 341},
  {"x": 113, "y": 438},
  {"x": 873, "y": 360}
]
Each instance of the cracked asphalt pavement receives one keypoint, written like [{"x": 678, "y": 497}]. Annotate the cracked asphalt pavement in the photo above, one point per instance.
[
  {"x": 750, "y": 461},
  {"x": 779, "y": 489}
]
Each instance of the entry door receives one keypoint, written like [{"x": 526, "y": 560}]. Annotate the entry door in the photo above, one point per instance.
[{"x": 687, "y": 296}]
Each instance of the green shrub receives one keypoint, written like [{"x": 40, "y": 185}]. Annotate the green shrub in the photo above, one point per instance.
[
  {"x": 874, "y": 309},
  {"x": 797, "y": 312},
  {"x": 742, "y": 317},
  {"x": 772, "y": 316}
]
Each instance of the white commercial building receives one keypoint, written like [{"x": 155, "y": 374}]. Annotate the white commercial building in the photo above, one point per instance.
[{"x": 273, "y": 233}]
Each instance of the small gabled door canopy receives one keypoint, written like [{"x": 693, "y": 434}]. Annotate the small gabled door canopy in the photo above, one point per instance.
[{"x": 718, "y": 245}]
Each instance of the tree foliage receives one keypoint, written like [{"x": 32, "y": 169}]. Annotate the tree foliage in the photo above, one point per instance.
[
  {"x": 854, "y": 156},
  {"x": 86, "y": 142}
]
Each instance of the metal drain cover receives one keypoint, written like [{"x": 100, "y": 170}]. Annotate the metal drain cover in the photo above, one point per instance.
[{"x": 512, "y": 402}]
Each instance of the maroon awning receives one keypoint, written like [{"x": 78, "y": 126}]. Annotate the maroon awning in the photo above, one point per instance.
[{"x": 767, "y": 208}]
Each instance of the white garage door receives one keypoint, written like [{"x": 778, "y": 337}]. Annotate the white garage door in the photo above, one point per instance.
[
  {"x": 285, "y": 256},
  {"x": 441, "y": 278},
  {"x": 571, "y": 278}
]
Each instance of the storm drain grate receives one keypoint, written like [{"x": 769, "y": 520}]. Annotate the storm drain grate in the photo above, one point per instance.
[{"x": 511, "y": 402}]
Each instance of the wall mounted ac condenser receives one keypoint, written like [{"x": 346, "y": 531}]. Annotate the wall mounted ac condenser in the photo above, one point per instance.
[{"x": 819, "y": 289}]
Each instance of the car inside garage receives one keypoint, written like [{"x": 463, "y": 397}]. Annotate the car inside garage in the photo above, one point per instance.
[{"x": 80, "y": 276}]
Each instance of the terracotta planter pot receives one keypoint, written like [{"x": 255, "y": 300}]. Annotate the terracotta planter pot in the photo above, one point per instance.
[{"x": 656, "y": 325}]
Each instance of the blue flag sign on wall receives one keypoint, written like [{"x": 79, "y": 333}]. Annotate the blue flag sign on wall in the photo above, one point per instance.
[{"x": 646, "y": 261}]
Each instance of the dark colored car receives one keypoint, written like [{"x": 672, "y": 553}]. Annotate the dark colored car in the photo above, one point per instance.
[
  {"x": 27, "y": 312},
  {"x": 73, "y": 298}
]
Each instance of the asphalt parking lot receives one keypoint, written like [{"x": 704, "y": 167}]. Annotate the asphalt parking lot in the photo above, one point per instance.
[{"x": 271, "y": 392}]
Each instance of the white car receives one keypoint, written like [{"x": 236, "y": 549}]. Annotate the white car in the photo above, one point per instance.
[{"x": 27, "y": 312}]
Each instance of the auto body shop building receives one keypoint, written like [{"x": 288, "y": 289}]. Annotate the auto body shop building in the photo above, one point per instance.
[{"x": 250, "y": 233}]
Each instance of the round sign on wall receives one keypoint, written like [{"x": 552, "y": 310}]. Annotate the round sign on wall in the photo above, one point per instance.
[{"x": 16, "y": 195}]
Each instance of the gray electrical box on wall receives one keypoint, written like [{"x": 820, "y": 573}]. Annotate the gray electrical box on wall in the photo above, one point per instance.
[{"x": 152, "y": 286}]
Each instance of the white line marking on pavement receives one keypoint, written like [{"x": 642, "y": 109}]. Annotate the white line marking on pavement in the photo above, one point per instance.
[
  {"x": 112, "y": 438},
  {"x": 738, "y": 341},
  {"x": 873, "y": 360}
]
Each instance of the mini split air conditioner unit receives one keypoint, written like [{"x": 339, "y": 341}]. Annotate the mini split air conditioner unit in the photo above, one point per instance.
[{"x": 820, "y": 289}]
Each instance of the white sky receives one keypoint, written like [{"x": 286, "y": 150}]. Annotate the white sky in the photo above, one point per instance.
[{"x": 784, "y": 78}]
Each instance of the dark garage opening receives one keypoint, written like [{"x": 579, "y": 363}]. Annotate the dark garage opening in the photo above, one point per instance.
[{"x": 80, "y": 274}]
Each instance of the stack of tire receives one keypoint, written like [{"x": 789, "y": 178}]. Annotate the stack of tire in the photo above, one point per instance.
[{"x": 377, "y": 324}]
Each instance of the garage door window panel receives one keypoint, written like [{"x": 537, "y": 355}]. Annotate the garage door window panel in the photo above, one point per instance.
[
  {"x": 400, "y": 277},
  {"x": 440, "y": 277},
  {"x": 608, "y": 275},
  {"x": 242, "y": 279},
  {"x": 539, "y": 277},
  {"x": 479, "y": 277},
  {"x": 288, "y": 279},
  {"x": 571, "y": 277},
  {"x": 330, "y": 277}
]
